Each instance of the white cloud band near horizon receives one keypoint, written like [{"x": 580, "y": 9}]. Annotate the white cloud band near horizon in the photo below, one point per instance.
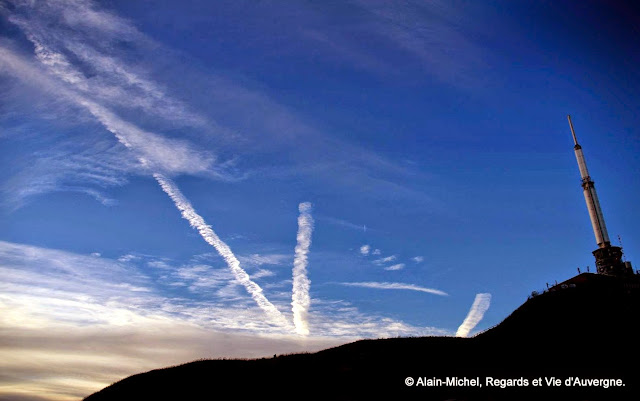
[
  {"x": 480, "y": 305},
  {"x": 45, "y": 287},
  {"x": 51, "y": 300},
  {"x": 300, "y": 299},
  {"x": 393, "y": 286}
]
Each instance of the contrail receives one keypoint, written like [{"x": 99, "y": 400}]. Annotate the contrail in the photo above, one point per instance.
[
  {"x": 475, "y": 315},
  {"x": 394, "y": 286},
  {"x": 196, "y": 221},
  {"x": 301, "y": 283}
]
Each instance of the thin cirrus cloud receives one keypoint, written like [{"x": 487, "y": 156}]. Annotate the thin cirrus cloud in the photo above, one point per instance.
[
  {"x": 430, "y": 36},
  {"x": 387, "y": 259},
  {"x": 397, "y": 266},
  {"x": 257, "y": 259},
  {"x": 85, "y": 32},
  {"x": 72, "y": 37},
  {"x": 44, "y": 287},
  {"x": 366, "y": 250},
  {"x": 169, "y": 155},
  {"x": 432, "y": 33},
  {"x": 480, "y": 305},
  {"x": 394, "y": 286},
  {"x": 113, "y": 84},
  {"x": 344, "y": 223}
]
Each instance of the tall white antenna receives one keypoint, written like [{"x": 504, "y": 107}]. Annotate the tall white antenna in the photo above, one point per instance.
[
  {"x": 590, "y": 195},
  {"x": 608, "y": 258}
]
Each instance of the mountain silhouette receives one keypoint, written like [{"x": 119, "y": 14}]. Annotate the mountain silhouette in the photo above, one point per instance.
[{"x": 573, "y": 342}]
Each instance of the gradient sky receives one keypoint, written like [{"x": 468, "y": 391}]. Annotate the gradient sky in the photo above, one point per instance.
[{"x": 430, "y": 138}]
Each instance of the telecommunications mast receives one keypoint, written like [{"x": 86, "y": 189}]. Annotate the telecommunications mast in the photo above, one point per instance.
[{"x": 608, "y": 257}]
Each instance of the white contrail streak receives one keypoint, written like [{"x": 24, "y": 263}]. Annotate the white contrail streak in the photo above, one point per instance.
[
  {"x": 475, "y": 315},
  {"x": 301, "y": 283},
  {"x": 196, "y": 221},
  {"x": 394, "y": 286}
]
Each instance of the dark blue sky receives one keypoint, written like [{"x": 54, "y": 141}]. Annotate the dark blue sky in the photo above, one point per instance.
[{"x": 439, "y": 126}]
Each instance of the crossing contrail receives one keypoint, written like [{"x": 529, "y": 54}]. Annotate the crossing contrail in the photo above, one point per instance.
[{"x": 196, "y": 221}]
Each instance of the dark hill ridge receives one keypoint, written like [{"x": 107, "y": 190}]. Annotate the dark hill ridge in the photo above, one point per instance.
[{"x": 586, "y": 331}]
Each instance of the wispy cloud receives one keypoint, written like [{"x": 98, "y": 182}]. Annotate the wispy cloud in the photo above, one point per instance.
[
  {"x": 382, "y": 261},
  {"x": 156, "y": 152},
  {"x": 48, "y": 288},
  {"x": 398, "y": 266},
  {"x": 433, "y": 33},
  {"x": 300, "y": 299},
  {"x": 79, "y": 29},
  {"x": 74, "y": 166},
  {"x": 364, "y": 249},
  {"x": 340, "y": 318},
  {"x": 344, "y": 223},
  {"x": 78, "y": 44},
  {"x": 394, "y": 286},
  {"x": 200, "y": 277},
  {"x": 128, "y": 258},
  {"x": 418, "y": 259},
  {"x": 257, "y": 259},
  {"x": 476, "y": 313},
  {"x": 376, "y": 252},
  {"x": 261, "y": 273}
]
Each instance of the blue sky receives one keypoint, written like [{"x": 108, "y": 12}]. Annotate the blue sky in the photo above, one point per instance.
[{"x": 433, "y": 134}]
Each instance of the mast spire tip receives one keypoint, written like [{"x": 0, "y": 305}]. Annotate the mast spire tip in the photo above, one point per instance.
[{"x": 573, "y": 133}]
